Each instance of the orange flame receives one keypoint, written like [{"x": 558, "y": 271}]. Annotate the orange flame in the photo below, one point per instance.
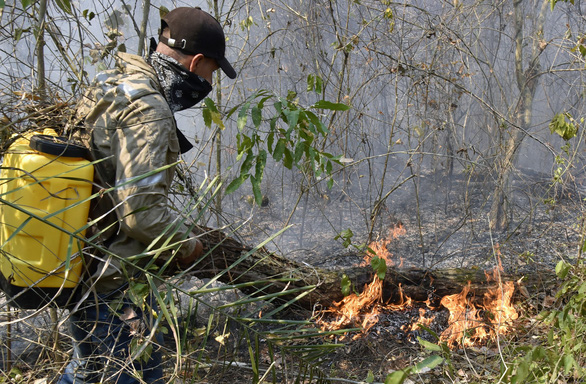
[
  {"x": 350, "y": 309},
  {"x": 363, "y": 310},
  {"x": 422, "y": 320},
  {"x": 380, "y": 247},
  {"x": 469, "y": 323},
  {"x": 466, "y": 325}
]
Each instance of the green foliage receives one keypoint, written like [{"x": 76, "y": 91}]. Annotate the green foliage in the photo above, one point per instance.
[
  {"x": 211, "y": 114},
  {"x": 379, "y": 266},
  {"x": 247, "y": 23},
  {"x": 314, "y": 83},
  {"x": 346, "y": 285},
  {"x": 88, "y": 15},
  {"x": 346, "y": 236},
  {"x": 560, "y": 354},
  {"x": 290, "y": 133},
  {"x": 440, "y": 354},
  {"x": 26, "y": 3},
  {"x": 554, "y": 2},
  {"x": 14, "y": 376},
  {"x": 399, "y": 377},
  {"x": 566, "y": 129},
  {"x": 65, "y": 6}
]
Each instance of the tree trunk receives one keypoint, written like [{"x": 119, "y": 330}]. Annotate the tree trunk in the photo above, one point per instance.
[
  {"x": 527, "y": 82},
  {"x": 419, "y": 284}
]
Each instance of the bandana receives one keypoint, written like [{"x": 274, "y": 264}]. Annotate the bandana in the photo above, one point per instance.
[{"x": 182, "y": 89}]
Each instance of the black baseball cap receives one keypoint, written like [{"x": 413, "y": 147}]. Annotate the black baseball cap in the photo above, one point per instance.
[{"x": 195, "y": 31}]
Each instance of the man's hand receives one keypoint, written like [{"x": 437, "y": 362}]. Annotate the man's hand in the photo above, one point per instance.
[{"x": 186, "y": 262}]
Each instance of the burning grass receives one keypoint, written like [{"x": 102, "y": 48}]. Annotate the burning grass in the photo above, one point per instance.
[{"x": 471, "y": 322}]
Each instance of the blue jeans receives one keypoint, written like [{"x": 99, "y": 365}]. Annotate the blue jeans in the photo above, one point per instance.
[{"x": 102, "y": 337}]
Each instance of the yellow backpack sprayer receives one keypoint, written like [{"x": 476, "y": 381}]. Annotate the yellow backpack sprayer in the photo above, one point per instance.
[{"x": 45, "y": 185}]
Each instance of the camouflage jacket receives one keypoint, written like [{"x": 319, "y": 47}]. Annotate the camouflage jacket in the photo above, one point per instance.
[{"x": 126, "y": 122}]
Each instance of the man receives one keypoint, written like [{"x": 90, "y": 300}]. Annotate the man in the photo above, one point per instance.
[{"x": 126, "y": 119}]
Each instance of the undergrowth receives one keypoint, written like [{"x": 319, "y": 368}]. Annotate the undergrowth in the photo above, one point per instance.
[{"x": 551, "y": 350}]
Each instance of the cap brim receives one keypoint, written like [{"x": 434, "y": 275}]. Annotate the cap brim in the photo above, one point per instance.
[{"x": 227, "y": 68}]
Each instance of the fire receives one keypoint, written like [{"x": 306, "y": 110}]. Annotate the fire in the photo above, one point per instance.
[
  {"x": 359, "y": 310},
  {"x": 468, "y": 326},
  {"x": 381, "y": 247},
  {"x": 423, "y": 320},
  {"x": 465, "y": 325},
  {"x": 363, "y": 310},
  {"x": 469, "y": 323}
]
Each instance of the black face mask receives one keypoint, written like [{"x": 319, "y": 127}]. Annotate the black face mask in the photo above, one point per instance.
[{"x": 182, "y": 89}]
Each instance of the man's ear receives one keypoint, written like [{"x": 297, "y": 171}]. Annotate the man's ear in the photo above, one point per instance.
[{"x": 195, "y": 62}]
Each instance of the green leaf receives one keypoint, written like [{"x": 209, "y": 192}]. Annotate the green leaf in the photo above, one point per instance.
[
  {"x": 278, "y": 107},
  {"x": 244, "y": 145},
  {"x": 242, "y": 116},
  {"x": 207, "y": 117},
  {"x": 262, "y": 101},
  {"x": 317, "y": 122},
  {"x": 87, "y": 14},
  {"x": 247, "y": 164},
  {"x": 324, "y": 104},
  {"x": 559, "y": 124},
  {"x": 256, "y": 190},
  {"x": 18, "y": 32},
  {"x": 26, "y": 3},
  {"x": 522, "y": 372},
  {"x": 369, "y": 377},
  {"x": 299, "y": 149},
  {"x": 306, "y": 134},
  {"x": 211, "y": 114},
  {"x": 318, "y": 84},
  {"x": 2, "y": 4},
  {"x": 310, "y": 82},
  {"x": 562, "y": 268},
  {"x": 292, "y": 118},
  {"x": 256, "y": 116},
  {"x": 279, "y": 149},
  {"x": 288, "y": 159},
  {"x": 346, "y": 235},
  {"x": 236, "y": 183},
  {"x": 568, "y": 362},
  {"x": 270, "y": 140},
  {"x": 379, "y": 266},
  {"x": 346, "y": 285},
  {"x": 429, "y": 363},
  {"x": 329, "y": 167},
  {"x": 397, "y": 377},
  {"x": 261, "y": 161},
  {"x": 65, "y": 5},
  {"x": 241, "y": 122},
  {"x": 210, "y": 104},
  {"x": 428, "y": 345},
  {"x": 163, "y": 11}
]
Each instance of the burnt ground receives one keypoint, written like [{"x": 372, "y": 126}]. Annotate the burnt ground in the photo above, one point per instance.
[{"x": 446, "y": 226}]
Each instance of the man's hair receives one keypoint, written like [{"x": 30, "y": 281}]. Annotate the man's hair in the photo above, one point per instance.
[{"x": 175, "y": 53}]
